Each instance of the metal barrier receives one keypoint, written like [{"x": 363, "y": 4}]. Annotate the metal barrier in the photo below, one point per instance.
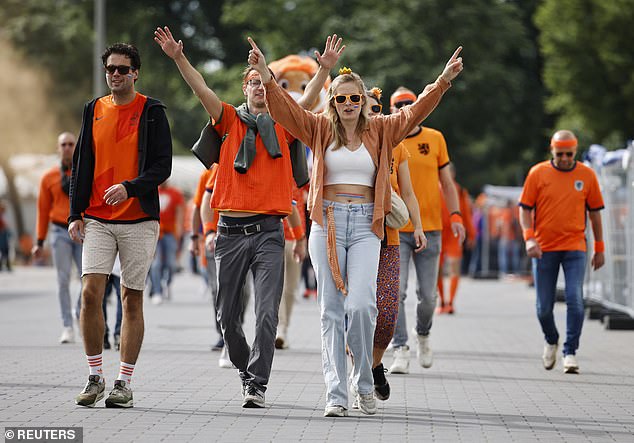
[{"x": 612, "y": 286}]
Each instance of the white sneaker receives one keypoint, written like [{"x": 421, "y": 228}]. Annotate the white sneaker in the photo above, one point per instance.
[
  {"x": 570, "y": 364},
  {"x": 549, "y": 357},
  {"x": 367, "y": 403},
  {"x": 400, "y": 365},
  {"x": 335, "y": 411},
  {"x": 157, "y": 299},
  {"x": 423, "y": 351},
  {"x": 68, "y": 336},
  {"x": 224, "y": 361}
]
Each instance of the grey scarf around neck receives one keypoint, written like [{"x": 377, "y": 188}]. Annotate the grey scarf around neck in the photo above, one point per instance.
[{"x": 261, "y": 124}]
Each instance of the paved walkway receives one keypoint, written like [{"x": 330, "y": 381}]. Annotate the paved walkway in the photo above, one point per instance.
[{"x": 486, "y": 384}]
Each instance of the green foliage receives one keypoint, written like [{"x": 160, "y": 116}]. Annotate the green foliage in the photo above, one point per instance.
[{"x": 588, "y": 66}]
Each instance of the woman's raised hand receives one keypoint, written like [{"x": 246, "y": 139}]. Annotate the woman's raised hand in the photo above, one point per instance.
[
  {"x": 257, "y": 61},
  {"x": 164, "y": 38},
  {"x": 331, "y": 53},
  {"x": 453, "y": 66}
]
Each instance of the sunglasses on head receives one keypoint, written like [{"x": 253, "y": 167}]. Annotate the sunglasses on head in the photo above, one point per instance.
[
  {"x": 399, "y": 105},
  {"x": 354, "y": 98},
  {"x": 123, "y": 69},
  {"x": 376, "y": 108},
  {"x": 567, "y": 154}
]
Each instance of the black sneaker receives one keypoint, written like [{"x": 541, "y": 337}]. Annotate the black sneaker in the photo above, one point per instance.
[
  {"x": 253, "y": 398},
  {"x": 219, "y": 345},
  {"x": 120, "y": 396},
  {"x": 381, "y": 386},
  {"x": 106, "y": 343},
  {"x": 117, "y": 342}
]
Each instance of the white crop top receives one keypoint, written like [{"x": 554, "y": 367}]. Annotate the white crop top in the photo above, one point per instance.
[{"x": 343, "y": 166}]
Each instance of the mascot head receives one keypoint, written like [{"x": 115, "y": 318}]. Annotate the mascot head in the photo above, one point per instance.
[{"x": 293, "y": 73}]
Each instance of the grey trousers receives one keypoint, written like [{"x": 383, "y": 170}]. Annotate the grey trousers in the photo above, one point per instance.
[
  {"x": 263, "y": 254},
  {"x": 426, "y": 264}
]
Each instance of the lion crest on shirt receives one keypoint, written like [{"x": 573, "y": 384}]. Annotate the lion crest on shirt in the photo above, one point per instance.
[
  {"x": 579, "y": 185},
  {"x": 423, "y": 148}
]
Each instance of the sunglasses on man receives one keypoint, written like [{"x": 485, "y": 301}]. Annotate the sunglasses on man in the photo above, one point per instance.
[
  {"x": 342, "y": 98},
  {"x": 399, "y": 105},
  {"x": 567, "y": 154},
  {"x": 123, "y": 69}
]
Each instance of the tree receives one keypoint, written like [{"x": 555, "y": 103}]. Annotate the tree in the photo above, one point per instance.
[{"x": 588, "y": 67}]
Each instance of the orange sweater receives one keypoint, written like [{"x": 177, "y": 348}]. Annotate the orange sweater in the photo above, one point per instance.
[
  {"x": 381, "y": 135},
  {"x": 52, "y": 202}
]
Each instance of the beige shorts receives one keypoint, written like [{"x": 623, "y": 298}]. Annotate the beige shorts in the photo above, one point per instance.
[{"x": 135, "y": 243}]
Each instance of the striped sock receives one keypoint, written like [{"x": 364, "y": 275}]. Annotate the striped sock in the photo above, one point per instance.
[
  {"x": 94, "y": 363},
  {"x": 125, "y": 372}
]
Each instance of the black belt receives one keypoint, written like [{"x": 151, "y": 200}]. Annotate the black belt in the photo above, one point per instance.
[
  {"x": 60, "y": 224},
  {"x": 268, "y": 224}
]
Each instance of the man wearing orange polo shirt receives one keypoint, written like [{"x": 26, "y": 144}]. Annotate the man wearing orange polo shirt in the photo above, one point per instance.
[
  {"x": 52, "y": 207},
  {"x": 124, "y": 152},
  {"x": 428, "y": 164},
  {"x": 556, "y": 197}
]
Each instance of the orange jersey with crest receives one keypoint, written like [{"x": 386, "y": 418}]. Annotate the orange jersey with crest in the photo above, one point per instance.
[
  {"x": 115, "y": 138},
  {"x": 428, "y": 154},
  {"x": 560, "y": 199}
]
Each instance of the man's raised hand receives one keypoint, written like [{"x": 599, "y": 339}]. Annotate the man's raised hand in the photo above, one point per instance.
[
  {"x": 332, "y": 52},
  {"x": 165, "y": 39}
]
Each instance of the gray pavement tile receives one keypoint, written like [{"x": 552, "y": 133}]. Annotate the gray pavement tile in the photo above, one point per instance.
[{"x": 487, "y": 383}]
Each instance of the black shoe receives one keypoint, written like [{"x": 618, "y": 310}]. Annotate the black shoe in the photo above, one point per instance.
[
  {"x": 219, "y": 345},
  {"x": 253, "y": 398},
  {"x": 106, "y": 343},
  {"x": 117, "y": 342},
  {"x": 381, "y": 386}
]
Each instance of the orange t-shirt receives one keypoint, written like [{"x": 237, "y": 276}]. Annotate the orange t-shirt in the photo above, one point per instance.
[
  {"x": 428, "y": 154},
  {"x": 210, "y": 185},
  {"x": 450, "y": 244},
  {"x": 52, "y": 202},
  {"x": 399, "y": 155},
  {"x": 560, "y": 199},
  {"x": 170, "y": 199},
  {"x": 115, "y": 145},
  {"x": 267, "y": 186},
  {"x": 202, "y": 183}
]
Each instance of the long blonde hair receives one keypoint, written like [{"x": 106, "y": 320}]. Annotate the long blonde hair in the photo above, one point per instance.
[{"x": 331, "y": 111}]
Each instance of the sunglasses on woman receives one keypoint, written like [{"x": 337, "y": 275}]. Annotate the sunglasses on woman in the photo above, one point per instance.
[
  {"x": 354, "y": 98},
  {"x": 123, "y": 69},
  {"x": 376, "y": 108}
]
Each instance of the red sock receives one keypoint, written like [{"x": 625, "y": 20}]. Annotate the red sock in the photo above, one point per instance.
[{"x": 453, "y": 288}]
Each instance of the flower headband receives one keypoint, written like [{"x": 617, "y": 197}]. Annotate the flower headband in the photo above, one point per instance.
[
  {"x": 343, "y": 70},
  {"x": 376, "y": 92}
]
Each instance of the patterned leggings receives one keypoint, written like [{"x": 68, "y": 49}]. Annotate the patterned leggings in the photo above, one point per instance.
[{"x": 387, "y": 287}]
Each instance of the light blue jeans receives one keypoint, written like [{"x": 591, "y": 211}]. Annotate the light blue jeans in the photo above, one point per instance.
[
  {"x": 358, "y": 253},
  {"x": 545, "y": 272},
  {"x": 65, "y": 251},
  {"x": 164, "y": 263},
  {"x": 426, "y": 264}
]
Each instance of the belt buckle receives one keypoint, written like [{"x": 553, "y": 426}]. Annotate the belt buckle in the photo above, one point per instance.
[{"x": 251, "y": 229}]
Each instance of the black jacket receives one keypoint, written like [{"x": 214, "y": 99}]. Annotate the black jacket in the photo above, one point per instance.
[{"x": 155, "y": 161}]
